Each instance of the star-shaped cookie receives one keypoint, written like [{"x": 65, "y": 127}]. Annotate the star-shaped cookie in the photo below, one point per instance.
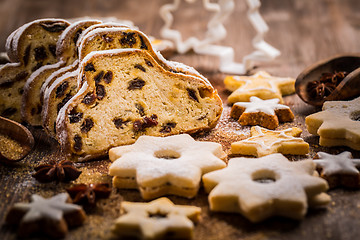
[
  {"x": 264, "y": 142},
  {"x": 159, "y": 166},
  {"x": 259, "y": 188},
  {"x": 266, "y": 113},
  {"x": 339, "y": 170},
  {"x": 338, "y": 124},
  {"x": 51, "y": 216},
  {"x": 159, "y": 219},
  {"x": 261, "y": 85}
]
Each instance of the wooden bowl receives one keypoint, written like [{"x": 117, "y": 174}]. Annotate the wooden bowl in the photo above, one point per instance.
[
  {"x": 348, "y": 88},
  {"x": 18, "y": 133}
]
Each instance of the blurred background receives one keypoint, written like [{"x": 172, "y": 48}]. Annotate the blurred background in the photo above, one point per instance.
[{"x": 303, "y": 30}]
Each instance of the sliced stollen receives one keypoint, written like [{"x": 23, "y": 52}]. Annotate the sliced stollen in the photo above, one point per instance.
[
  {"x": 66, "y": 53},
  {"x": 48, "y": 118},
  {"x": 4, "y": 58},
  {"x": 59, "y": 93},
  {"x": 31, "y": 46},
  {"x": 116, "y": 38},
  {"x": 101, "y": 25},
  {"x": 126, "y": 94},
  {"x": 37, "y": 39},
  {"x": 52, "y": 78},
  {"x": 66, "y": 47},
  {"x": 8, "y": 46},
  {"x": 97, "y": 37},
  {"x": 31, "y": 105},
  {"x": 71, "y": 67}
]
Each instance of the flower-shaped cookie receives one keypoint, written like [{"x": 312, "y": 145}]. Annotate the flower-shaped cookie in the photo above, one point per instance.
[
  {"x": 261, "y": 85},
  {"x": 159, "y": 219},
  {"x": 338, "y": 124},
  {"x": 51, "y": 216},
  {"x": 259, "y": 188},
  {"x": 264, "y": 142},
  {"x": 339, "y": 170},
  {"x": 266, "y": 113},
  {"x": 165, "y": 165}
]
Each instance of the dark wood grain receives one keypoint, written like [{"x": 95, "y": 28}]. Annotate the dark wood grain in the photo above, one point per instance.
[{"x": 304, "y": 30}]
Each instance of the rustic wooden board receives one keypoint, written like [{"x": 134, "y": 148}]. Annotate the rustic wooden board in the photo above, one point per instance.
[{"x": 304, "y": 30}]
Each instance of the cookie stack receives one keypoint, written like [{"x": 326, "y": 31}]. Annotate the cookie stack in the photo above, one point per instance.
[{"x": 338, "y": 124}]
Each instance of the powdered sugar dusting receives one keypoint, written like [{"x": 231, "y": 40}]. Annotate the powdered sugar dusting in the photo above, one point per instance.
[{"x": 227, "y": 131}]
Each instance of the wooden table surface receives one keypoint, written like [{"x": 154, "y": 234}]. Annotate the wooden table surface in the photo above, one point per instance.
[{"x": 305, "y": 31}]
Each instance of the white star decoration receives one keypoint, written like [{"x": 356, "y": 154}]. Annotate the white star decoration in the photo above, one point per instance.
[
  {"x": 50, "y": 208},
  {"x": 337, "y": 164},
  {"x": 216, "y": 32},
  {"x": 258, "y": 105}
]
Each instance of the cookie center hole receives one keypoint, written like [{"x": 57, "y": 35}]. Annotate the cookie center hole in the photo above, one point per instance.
[
  {"x": 157, "y": 215},
  {"x": 167, "y": 154},
  {"x": 355, "y": 116},
  {"x": 264, "y": 176}
]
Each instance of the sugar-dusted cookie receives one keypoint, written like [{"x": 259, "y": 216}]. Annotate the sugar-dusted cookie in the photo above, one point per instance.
[
  {"x": 261, "y": 85},
  {"x": 259, "y": 188},
  {"x": 169, "y": 165},
  {"x": 264, "y": 142},
  {"x": 338, "y": 124},
  {"x": 266, "y": 113},
  {"x": 339, "y": 170},
  {"x": 159, "y": 219},
  {"x": 51, "y": 216}
]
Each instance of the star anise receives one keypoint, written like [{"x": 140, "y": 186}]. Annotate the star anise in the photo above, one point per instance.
[
  {"x": 63, "y": 171},
  {"x": 322, "y": 88},
  {"x": 87, "y": 194}
]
